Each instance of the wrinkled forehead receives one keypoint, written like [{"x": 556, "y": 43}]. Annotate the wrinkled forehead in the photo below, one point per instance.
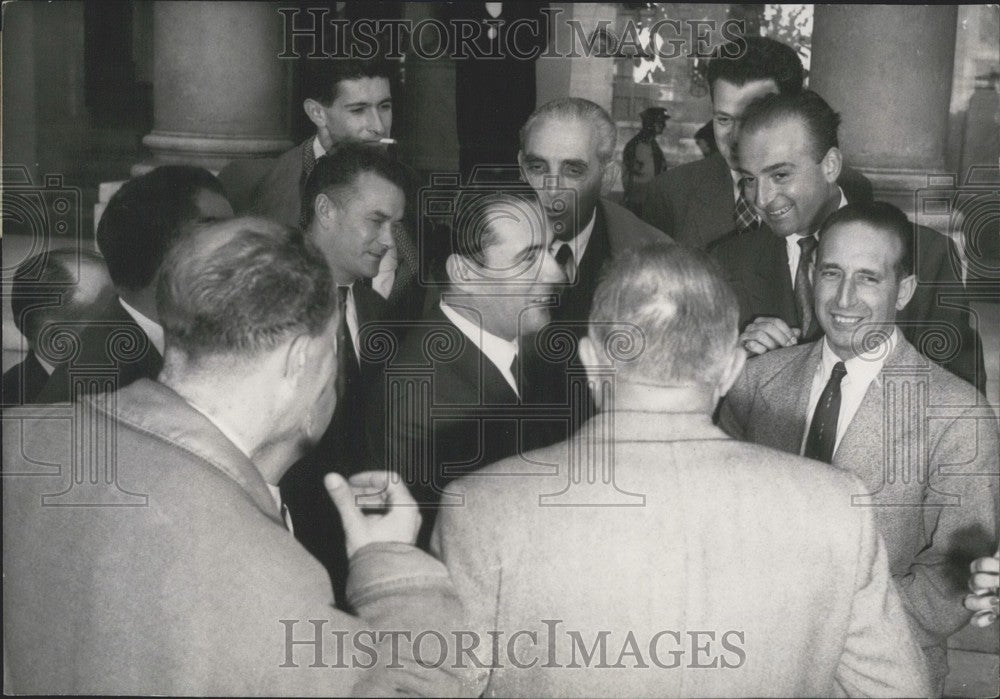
[
  {"x": 350, "y": 90},
  {"x": 559, "y": 138},
  {"x": 862, "y": 244}
]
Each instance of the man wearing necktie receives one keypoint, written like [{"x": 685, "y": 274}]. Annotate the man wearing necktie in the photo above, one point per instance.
[
  {"x": 354, "y": 202},
  {"x": 790, "y": 161},
  {"x": 863, "y": 399}
]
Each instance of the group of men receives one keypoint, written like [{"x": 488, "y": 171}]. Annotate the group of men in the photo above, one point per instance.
[{"x": 562, "y": 391}]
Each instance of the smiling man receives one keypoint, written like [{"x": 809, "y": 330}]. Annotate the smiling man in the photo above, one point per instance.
[
  {"x": 501, "y": 279},
  {"x": 348, "y": 101},
  {"x": 790, "y": 161},
  {"x": 699, "y": 202},
  {"x": 355, "y": 202},
  {"x": 844, "y": 400}
]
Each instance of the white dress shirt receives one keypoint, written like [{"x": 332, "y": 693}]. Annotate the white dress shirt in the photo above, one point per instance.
[
  {"x": 861, "y": 371},
  {"x": 382, "y": 281},
  {"x": 351, "y": 308},
  {"x": 499, "y": 351},
  {"x": 577, "y": 244},
  {"x": 153, "y": 330},
  {"x": 792, "y": 243}
]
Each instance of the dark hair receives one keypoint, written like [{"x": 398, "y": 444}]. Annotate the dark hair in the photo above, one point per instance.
[
  {"x": 707, "y": 133},
  {"x": 144, "y": 217},
  {"x": 819, "y": 118},
  {"x": 628, "y": 153},
  {"x": 243, "y": 286},
  {"x": 669, "y": 309},
  {"x": 341, "y": 168},
  {"x": 764, "y": 59},
  {"x": 884, "y": 217},
  {"x": 472, "y": 230},
  {"x": 48, "y": 274},
  {"x": 322, "y": 76}
]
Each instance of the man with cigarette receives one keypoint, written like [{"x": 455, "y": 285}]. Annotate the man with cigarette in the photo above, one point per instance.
[{"x": 349, "y": 101}]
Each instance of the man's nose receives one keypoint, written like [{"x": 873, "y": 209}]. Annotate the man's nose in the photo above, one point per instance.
[
  {"x": 845, "y": 294},
  {"x": 375, "y": 122},
  {"x": 761, "y": 193}
]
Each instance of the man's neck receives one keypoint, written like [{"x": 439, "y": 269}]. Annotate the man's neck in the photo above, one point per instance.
[
  {"x": 650, "y": 397},
  {"x": 467, "y": 307}
]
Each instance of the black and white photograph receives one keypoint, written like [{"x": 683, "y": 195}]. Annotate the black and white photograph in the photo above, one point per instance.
[{"x": 500, "y": 349}]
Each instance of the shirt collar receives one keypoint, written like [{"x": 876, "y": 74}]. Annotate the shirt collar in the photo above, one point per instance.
[
  {"x": 578, "y": 243},
  {"x": 318, "y": 150},
  {"x": 498, "y": 350},
  {"x": 866, "y": 366},
  {"x": 153, "y": 330}
]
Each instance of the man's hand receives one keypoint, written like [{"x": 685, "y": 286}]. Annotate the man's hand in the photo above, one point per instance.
[
  {"x": 374, "y": 507},
  {"x": 766, "y": 334},
  {"x": 984, "y": 582}
]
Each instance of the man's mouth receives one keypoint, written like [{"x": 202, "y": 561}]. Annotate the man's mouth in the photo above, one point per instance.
[
  {"x": 845, "y": 321},
  {"x": 778, "y": 213}
]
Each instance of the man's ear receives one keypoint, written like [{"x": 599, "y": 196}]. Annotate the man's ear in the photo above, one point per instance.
[
  {"x": 325, "y": 210},
  {"x": 459, "y": 270},
  {"x": 832, "y": 164},
  {"x": 296, "y": 357},
  {"x": 521, "y": 164},
  {"x": 314, "y": 110},
  {"x": 907, "y": 287},
  {"x": 609, "y": 176},
  {"x": 737, "y": 361}
]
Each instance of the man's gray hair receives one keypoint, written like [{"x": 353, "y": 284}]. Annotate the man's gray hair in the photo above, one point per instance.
[
  {"x": 677, "y": 299},
  {"x": 241, "y": 287},
  {"x": 570, "y": 108}
]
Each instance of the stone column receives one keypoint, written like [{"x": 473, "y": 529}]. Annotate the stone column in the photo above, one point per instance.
[
  {"x": 219, "y": 89},
  {"x": 888, "y": 71}
]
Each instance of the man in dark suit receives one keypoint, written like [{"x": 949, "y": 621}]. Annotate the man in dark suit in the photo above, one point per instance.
[
  {"x": 354, "y": 201},
  {"x": 48, "y": 290},
  {"x": 348, "y": 101},
  {"x": 567, "y": 156},
  {"x": 864, "y": 400},
  {"x": 658, "y": 557},
  {"x": 790, "y": 160},
  {"x": 139, "y": 224},
  {"x": 699, "y": 202},
  {"x": 198, "y": 588},
  {"x": 457, "y": 397}
]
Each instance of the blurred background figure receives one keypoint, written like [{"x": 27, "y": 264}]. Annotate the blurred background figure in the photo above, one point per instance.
[
  {"x": 654, "y": 120},
  {"x": 642, "y": 160},
  {"x": 51, "y": 288},
  {"x": 705, "y": 140}
]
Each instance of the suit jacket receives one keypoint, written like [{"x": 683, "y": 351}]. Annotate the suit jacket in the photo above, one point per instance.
[
  {"x": 756, "y": 264},
  {"x": 272, "y": 187},
  {"x": 348, "y": 446},
  {"x": 931, "y": 480},
  {"x": 694, "y": 204},
  {"x": 673, "y": 551},
  {"x": 181, "y": 588},
  {"x": 24, "y": 381},
  {"x": 112, "y": 353},
  {"x": 449, "y": 411}
]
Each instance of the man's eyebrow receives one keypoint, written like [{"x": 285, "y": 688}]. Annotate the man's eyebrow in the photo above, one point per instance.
[
  {"x": 528, "y": 252},
  {"x": 576, "y": 163},
  {"x": 778, "y": 166},
  {"x": 360, "y": 103}
]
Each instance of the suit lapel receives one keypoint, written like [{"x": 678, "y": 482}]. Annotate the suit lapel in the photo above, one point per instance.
[
  {"x": 481, "y": 378},
  {"x": 713, "y": 206},
  {"x": 784, "y": 400}
]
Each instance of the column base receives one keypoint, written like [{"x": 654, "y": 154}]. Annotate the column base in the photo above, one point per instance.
[{"x": 210, "y": 152}]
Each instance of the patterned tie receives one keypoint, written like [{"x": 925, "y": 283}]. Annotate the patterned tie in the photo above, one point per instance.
[
  {"x": 308, "y": 163},
  {"x": 823, "y": 430},
  {"x": 803, "y": 288},
  {"x": 564, "y": 257},
  {"x": 746, "y": 218}
]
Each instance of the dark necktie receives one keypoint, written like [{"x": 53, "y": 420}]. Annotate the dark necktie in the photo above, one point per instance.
[
  {"x": 746, "y": 218},
  {"x": 823, "y": 430},
  {"x": 347, "y": 360},
  {"x": 308, "y": 163},
  {"x": 803, "y": 288},
  {"x": 564, "y": 256}
]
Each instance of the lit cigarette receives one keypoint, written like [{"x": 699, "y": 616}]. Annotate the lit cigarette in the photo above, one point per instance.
[{"x": 387, "y": 141}]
